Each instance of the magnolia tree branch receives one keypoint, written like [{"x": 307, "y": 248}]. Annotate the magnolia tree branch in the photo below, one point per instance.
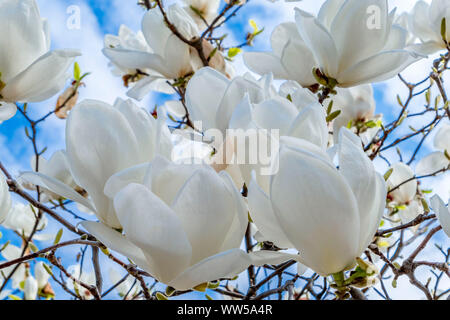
[
  {"x": 57, "y": 263},
  {"x": 389, "y": 129},
  {"x": 14, "y": 187},
  {"x": 443, "y": 170},
  {"x": 417, "y": 221},
  {"x": 197, "y": 42},
  {"x": 42, "y": 252}
]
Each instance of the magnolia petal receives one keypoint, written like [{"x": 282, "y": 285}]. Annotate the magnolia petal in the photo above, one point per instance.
[
  {"x": 144, "y": 86},
  {"x": 155, "y": 228},
  {"x": 206, "y": 210},
  {"x": 117, "y": 242},
  {"x": 224, "y": 265},
  {"x": 7, "y": 111},
  {"x": 368, "y": 187},
  {"x": 321, "y": 219},
  {"x": 371, "y": 218},
  {"x": 426, "y": 48},
  {"x": 57, "y": 187},
  {"x": 319, "y": 40},
  {"x": 23, "y": 37},
  {"x": 204, "y": 92},
  {"x": 432, "y": 163},
  {"x": 240, "y": 221},
  {"x": 120, "y": 180},
  {"x": 92, "y": 161},
  {"x": 397, "y": 38},
  {"x": 233, "y": 95},
  {"x": 176, "y": 108},
  {"x": 400, "y": 174},
  {"x": 410, "y": 212},
  {"x": 420, "y": 22},
  {"x": 311, "y": 125},
  {"x": 177, "y": 58},
  {"x": 28, "y": 86},
  {"x": 5, "y": 199},
  {"x": 442, "y": 213},
  {"x": 165, "y": 179},
  {"x": 262, "y": 257},
  {"x": 442, "y": 138},
  {"x": 275, "y": 114},
  {"x": 182, "y": 21},
  {"x": 282, "y": 35},
  {"x": 306, "y": 146},
  {"x": 263, "y": 63},
  {"x": 236, "y": 175},
  {"x": 355, "y": 40},
  {"x": 145, "y": 129},
  {"x": 377, "y": 68},
  {"x": 328, "y": 11},
  {"x": 131, "y": 59},
  {"x": 242, "y": 117},
  {"x": 263, "y": 216},
  {"x": 438, "y": 10},
  {"x": 155, "y": 31},
  {"x": 53, "y": 89},
  {"x": 303, "y": 98}
]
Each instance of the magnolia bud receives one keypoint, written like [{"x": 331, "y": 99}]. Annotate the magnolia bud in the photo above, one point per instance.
[
  {"x": 66, "y": 102},
  {"x": 30, "y": 288},
  {"x": 41, "y": 274}
]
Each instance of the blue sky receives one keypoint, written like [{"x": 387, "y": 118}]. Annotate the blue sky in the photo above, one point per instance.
[{"x": 99, "y": 17}]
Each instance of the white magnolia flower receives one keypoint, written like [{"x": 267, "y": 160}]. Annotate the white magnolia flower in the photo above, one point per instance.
[
  {"x": 25, "y": 57},
  {"x": 12, "y": 252},
  {"x": 102, "y": 140},
  {"x": 163, "y": 56},
  {"x": 184, "y": 225},
  {"x": 404, "y": 21},
  {"x": 128, "y": 41},
  {"x": 442, "y": 212},
  {"x": 403, "y": 197},
  {"x": 5, "y": 199},
  {"x": 426, "y": 22},
  {"x": 437, "y": 160},
  {"x": 352, "y": 46},
  {"x": 383, "y": 245},
  {"x": 251, "y": 107},
  {"x": 279, "y": 114},
  {"x": 206, "y": 8},
  {"x": 22, "y": 219},
  {"x": 211, "y": 98},
  {"x": 290, "y": 58},
  {"x": 300, "y": 96},
  {"x": 41, "y": 275},
  {"x": 330, "y": 216},
  {"x": 357, "y": 106},
  {"x": 128, "y": 286},
  {"x": 30, "y": 288},
  {"x": 85, "y": 277}
]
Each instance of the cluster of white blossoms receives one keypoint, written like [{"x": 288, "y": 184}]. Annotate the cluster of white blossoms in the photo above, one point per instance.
[
  {"x": 289, "y": 160},
  {"x": 25, "y": 57}
]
